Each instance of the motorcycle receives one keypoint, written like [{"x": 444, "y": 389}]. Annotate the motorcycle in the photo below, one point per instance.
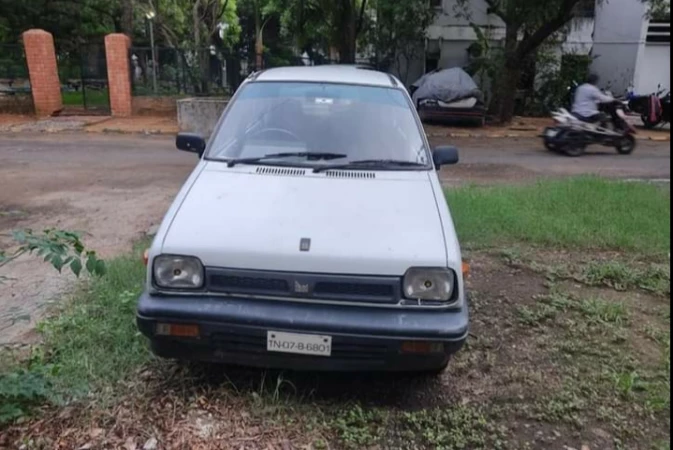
[
  {"x": 654, "y": 109},
  {"x": 571, "y": 135}
]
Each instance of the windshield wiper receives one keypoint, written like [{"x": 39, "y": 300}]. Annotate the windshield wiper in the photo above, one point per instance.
[
  {"x": 307, "y": 155},
  {"x": 368, "y": 163}
]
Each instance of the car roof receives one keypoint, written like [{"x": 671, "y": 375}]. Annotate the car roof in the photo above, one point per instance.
[{"x": 332, "y": 73}]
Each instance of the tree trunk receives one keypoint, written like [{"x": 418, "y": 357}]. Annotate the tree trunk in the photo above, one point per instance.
[
  {"x": 508, "y": 92},
  {"x": 346, "y": 44},
  {"x": 127, "y": 18},
  {"x": 506, "y": 89},
  {"x": 259, "y": 44}
]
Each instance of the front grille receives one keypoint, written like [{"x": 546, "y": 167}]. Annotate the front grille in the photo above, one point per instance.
[
  {"x": 354, "y": 289},
  {"x": 342, "y": 288},
  {"x": 233, "y": 283}
]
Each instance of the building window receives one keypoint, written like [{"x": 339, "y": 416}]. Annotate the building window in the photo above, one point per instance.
[
  {"x": 586, "y": 9},
  {"x": 659, "y": 32},
  {"x": 436, "y": 4}
]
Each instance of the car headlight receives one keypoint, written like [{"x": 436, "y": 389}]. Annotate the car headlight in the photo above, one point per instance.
[
  {"x": 435, "y": 284},
  {"x": 178, "y": 272}
]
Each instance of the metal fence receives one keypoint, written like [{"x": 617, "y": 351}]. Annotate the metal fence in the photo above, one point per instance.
[
  {"x": 83, "y": 75},
  {"x": 13, "y": 69},
  {"x": 166, "y": 71}
]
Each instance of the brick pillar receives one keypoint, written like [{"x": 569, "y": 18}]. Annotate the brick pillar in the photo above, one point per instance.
[
  {"x": 118, "y": 73},
  {"x": 43, "y": 72}
]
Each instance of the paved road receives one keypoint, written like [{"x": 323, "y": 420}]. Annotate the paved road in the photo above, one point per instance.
[{"x": 509, "y": 160}]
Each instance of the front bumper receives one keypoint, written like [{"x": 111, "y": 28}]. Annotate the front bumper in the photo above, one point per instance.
[{"x": 233, "y": 330}]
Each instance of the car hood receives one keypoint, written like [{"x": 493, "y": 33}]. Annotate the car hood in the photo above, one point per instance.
[{"x": 254, "y": 218}]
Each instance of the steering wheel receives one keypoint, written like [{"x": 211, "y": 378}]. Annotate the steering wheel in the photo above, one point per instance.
[{"x": 278, "y": 131}]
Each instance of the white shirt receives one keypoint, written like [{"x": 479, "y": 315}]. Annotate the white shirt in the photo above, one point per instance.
[{"x": 587, "y": 98}]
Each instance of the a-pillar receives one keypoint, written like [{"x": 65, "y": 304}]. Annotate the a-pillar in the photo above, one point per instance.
[
  {"x": 118, "y": 73},
  {"x": 44, "y": 83}
]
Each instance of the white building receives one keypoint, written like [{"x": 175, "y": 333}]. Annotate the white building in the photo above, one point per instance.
[{"x": 628, "y": 48}]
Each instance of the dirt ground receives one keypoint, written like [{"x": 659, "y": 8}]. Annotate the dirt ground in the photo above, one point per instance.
[
  {"x": 116, "y": 187},
  {"x": 542, "y": 369}
]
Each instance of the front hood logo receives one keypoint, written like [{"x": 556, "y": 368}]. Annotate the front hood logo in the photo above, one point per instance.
[{"x": 304, "y": 244}]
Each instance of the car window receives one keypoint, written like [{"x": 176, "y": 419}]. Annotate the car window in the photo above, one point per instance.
[{"x": 362, "y": 122}]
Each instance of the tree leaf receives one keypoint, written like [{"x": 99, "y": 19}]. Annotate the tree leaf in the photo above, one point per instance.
[{"x": 76, "y": 266}]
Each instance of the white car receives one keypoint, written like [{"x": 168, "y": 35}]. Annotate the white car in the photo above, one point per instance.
[{"x": 313, "y": 233}]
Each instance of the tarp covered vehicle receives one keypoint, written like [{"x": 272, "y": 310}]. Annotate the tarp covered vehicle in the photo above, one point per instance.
[{"x": 448, "y": 95}]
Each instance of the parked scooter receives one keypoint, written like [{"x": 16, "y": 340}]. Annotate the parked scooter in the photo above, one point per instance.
[
  {"x": 654, "y": 109},
  {"x": 571, "y": 135}
]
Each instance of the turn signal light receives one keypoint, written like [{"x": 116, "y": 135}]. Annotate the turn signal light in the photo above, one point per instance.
[
  {"x": 177, "y": 330},
  {"x": 146, "y": 256},
  {"x": 466, "y": 269},
  {"x": 421, "y": 347}
]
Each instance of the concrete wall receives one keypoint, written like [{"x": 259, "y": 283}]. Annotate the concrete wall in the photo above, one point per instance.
[
  {"x": 619, "y": 36},
  {"x": 653, "y": 68},
  {"x": 200, "y": 115}
]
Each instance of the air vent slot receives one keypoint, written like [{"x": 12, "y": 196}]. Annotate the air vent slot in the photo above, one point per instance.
[
  {"x": 281, "y": 171},
  {"x": 352, "y": 174}
]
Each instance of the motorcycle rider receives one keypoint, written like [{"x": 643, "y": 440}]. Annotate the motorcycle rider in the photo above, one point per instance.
[{"x": 587, "y": 99}]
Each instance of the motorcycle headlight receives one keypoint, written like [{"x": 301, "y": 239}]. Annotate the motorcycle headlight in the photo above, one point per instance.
[
  {"x": 178, "y": 272},
  {"x": 429, "y": 284}
]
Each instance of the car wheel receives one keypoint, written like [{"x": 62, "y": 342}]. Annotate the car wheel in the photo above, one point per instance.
[{"x": 626, "y": 145}]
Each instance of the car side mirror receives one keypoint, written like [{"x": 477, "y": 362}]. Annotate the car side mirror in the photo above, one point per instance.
[
  {"x": 190, "y": 142},
  {"x": 444, "y": 155}
]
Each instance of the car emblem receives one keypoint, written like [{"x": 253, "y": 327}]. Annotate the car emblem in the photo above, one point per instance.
[
  {"x": 304, "y": 244},
  {"x": 300, "y": 288}
]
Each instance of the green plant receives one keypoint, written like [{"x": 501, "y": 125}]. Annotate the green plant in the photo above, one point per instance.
[
  {"x": 58, "y": 247},
  {"x": 20, "y": 391},
  {"x": 360, "y": 428}
]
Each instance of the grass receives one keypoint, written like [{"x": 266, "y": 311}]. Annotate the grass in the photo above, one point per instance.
[
  {"x": 91, "y": 344},
  {"x": 94, "y": 340},
  {"x": 584, "y": 212},
  {"x": 93, "y": 98}
]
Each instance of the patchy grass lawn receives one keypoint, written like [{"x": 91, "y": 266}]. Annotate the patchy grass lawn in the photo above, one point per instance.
[
  {"x": 585, "y": 212},
  {"x": 569, "y": 347}
]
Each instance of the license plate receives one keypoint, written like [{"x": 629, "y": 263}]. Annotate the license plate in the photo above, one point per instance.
[
  {"x": 302, "y": 344},
  {"x": 550, "y": 133}
]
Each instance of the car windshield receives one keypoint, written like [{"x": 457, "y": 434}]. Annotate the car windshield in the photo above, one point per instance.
[{"x": 319, "y": 124}]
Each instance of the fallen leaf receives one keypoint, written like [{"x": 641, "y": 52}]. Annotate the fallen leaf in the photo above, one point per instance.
[
  {"x": 130, "y": 444},
  {"x": 96, "y": 433},
  {"x": 150, "y": 444}
]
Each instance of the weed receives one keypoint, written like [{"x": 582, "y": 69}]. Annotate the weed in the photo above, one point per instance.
[
  {"x": 359, "y": 428},
  {"x": 565, "y": 406},
  {"x": 20, "y": 391},
  {"x": 455, "y": 428},
  {"x": 598, "y": 311},
  {"x": 622, "y": 277},
  {"x": 535, "y": 316}
]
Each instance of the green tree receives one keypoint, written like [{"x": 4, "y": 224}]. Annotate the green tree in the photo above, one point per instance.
[
  {"x": 528, "y": 24},
  {"x": 398, "y": 31},
  {"x": 323, "y": 24}
]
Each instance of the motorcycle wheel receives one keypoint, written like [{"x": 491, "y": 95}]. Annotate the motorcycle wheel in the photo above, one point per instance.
[
  {"x": 626, "y": 145},
  {"x": 572, "y": 144},
  {"x": 550, "y": 143}
]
